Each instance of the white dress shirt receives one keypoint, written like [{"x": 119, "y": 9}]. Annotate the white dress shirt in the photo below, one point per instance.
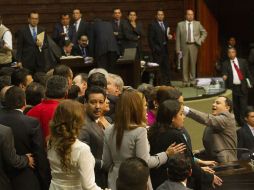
[
  {"x": 77, "y": 24},
  {"x": 236, "y": 79},
  {"x": 191, "y": 27},
  {"x": 31, "y": 29},
  {"x": 7, "y": 37},
  {"x": 251, "y": 129},
  {"x": 66, "y": 31}
]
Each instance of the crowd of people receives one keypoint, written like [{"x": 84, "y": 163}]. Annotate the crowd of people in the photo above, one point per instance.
[
  {"x": 82, "y": 132},
  {"x": 63, "y": 131}
]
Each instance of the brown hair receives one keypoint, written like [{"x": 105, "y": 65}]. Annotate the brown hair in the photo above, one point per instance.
[
  {"x": 65, "y": 126},
  {"x": 129, "y": 114}
]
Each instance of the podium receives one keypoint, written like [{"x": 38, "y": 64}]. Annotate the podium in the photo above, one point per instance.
[{"x": 238, "y": 175}]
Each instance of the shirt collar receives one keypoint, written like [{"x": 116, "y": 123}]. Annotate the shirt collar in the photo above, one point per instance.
[
  {"x": 19, "y": 110},
  {"x": 251, "y": 128}
]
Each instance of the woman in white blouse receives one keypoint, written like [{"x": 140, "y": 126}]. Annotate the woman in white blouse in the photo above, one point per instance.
[{"x": 71, "y": 161}]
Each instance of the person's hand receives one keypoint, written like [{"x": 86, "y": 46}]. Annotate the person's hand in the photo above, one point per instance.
[
  {"x": 19, "y": 64},
  {"x": 207, "y": 163},
  {"x": 175, "y": 149},
  {"x": 208, "y": 169},
  {"x": 186, "y": 110},
  {"x": 103, "y": 122},
  {"x": 216, "y": 181},
  {"x": 225, "y": 77},
  {"x": 30, "y": 160},
  {"x": 170, "y": 36},
  {"x": 116, "y": 33},
  {"x": 63, "y": 34}
]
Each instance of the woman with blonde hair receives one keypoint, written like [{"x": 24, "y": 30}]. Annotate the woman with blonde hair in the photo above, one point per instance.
[
  {"x": 71, "y": 161},
  {"x": 128, "y": 137}
]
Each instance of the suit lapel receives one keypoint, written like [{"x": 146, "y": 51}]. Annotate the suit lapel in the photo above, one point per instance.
[
  {"x": 94, "y": 126},
  {"x": 248, "y": 132}
]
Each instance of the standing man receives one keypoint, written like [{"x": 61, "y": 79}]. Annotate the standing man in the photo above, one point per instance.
[
  {"x": 190, "y": 34},
  {"x": 5, "y": 45},
  {"x": 237, "y": 78},
  {"x": 81, "y": 27},
  {"x": 30, "y": 49},
  {"x": 63, "y": 31},
  {"x": 158, "y": 36},
  {"x": 117, "y": 23},
  {"x": 220, "y": 131}
]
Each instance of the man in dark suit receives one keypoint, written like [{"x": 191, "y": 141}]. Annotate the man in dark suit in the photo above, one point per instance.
[
  {"x": 28, "y": 139},
  {"x": 82, "y": 48},
  {"x": 92, "y": 133},
  {"x": 30, "y": 49},
  {"x": 245, "y": 135},
  {"x": 105, "y": 46},
  {"x": 81, "y": 27},
  {"x": 158, "y": 36},
  {"x": 63, "y": 31},
  {"x": 117, "y": 24},
  {"x": 8, "y": 156},
  {"x": 236, "y": 76}
]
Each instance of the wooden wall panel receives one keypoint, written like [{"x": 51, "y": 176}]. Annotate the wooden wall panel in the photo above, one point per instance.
[{"x": 208, "y": 54}]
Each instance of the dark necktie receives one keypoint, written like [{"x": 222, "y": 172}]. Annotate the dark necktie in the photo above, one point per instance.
[
  {"x": 34, "y": 34},
  {"x": 239, "y": 73},
  {"x": 189, "y": 32},
  {"x": 83, "y": 51},
  {"x": 162, "y": 26}
]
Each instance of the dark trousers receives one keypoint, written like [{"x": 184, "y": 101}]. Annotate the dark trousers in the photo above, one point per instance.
[
  {"x": 107, "y": 61},
  {"x": 240, "y": 100},
  {"x": 161, "y": 57}
]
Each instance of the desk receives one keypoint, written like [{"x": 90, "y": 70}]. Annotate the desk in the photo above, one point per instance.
[{"x": 238, "y": 176}]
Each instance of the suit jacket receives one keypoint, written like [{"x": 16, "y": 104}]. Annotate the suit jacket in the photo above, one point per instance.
[
  {"x": 28, "y": 139},
  {"x": 76, "y": 51},
  {"x": 219, "y": 134},
  {"x": 28, "y": 52},
  {"x": 160, "y": 141},
  {"x": 83, "y": 29},
  {"x": 228, "y": 71},
  {"x": 103, "y": 38},
  {"x": 199, "y": 34},
  {"x": 245, "y": 140},
  {"x": 171, "y": 185},
  {"x": 130, "y": 35},
  {"x": 58, "y": 38},
  {"x": 8, "y": 156},
  {"x": 119, "y": 38},
  {"x": 157, "y": 38}
]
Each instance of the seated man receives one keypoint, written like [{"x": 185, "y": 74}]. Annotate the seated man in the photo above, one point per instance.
[
  {"x": 82, "y": 48},
  {"x": 67, "y": 48},
  {"x": 245, "y": 135},
  {"x": 220, "y": 131},
  {"x": 133, "y": 175},
  {"x": 179, "y": 169}
]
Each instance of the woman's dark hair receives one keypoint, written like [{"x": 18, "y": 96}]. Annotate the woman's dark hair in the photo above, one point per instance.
[
  {"x": 179, "y": 167},
  {"x": 168, "y": 93},
  {"x": 65, "y": 126},
  {"x": 166, "y": 112}
]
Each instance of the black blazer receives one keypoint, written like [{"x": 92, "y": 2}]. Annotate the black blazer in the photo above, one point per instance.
[
  {"x": 157, "y": 38},
  {"x": 58, "y": 38},
  {"x": 28, "y": 52},
  {"x": 159, "y": 142},
  {"x": 76, "y": 51},
  {"x": 28, "y": 139},
  {"x": 8, "y": 156},
  {"x": 227, "y": 70},
  {"x": 104, "y": 40},
  {"x": 118, "y": 29},
  {"x": 245, "y": 140},
  {"x": 132, "y": 36},
  {"x": 83, "y": 29}
]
